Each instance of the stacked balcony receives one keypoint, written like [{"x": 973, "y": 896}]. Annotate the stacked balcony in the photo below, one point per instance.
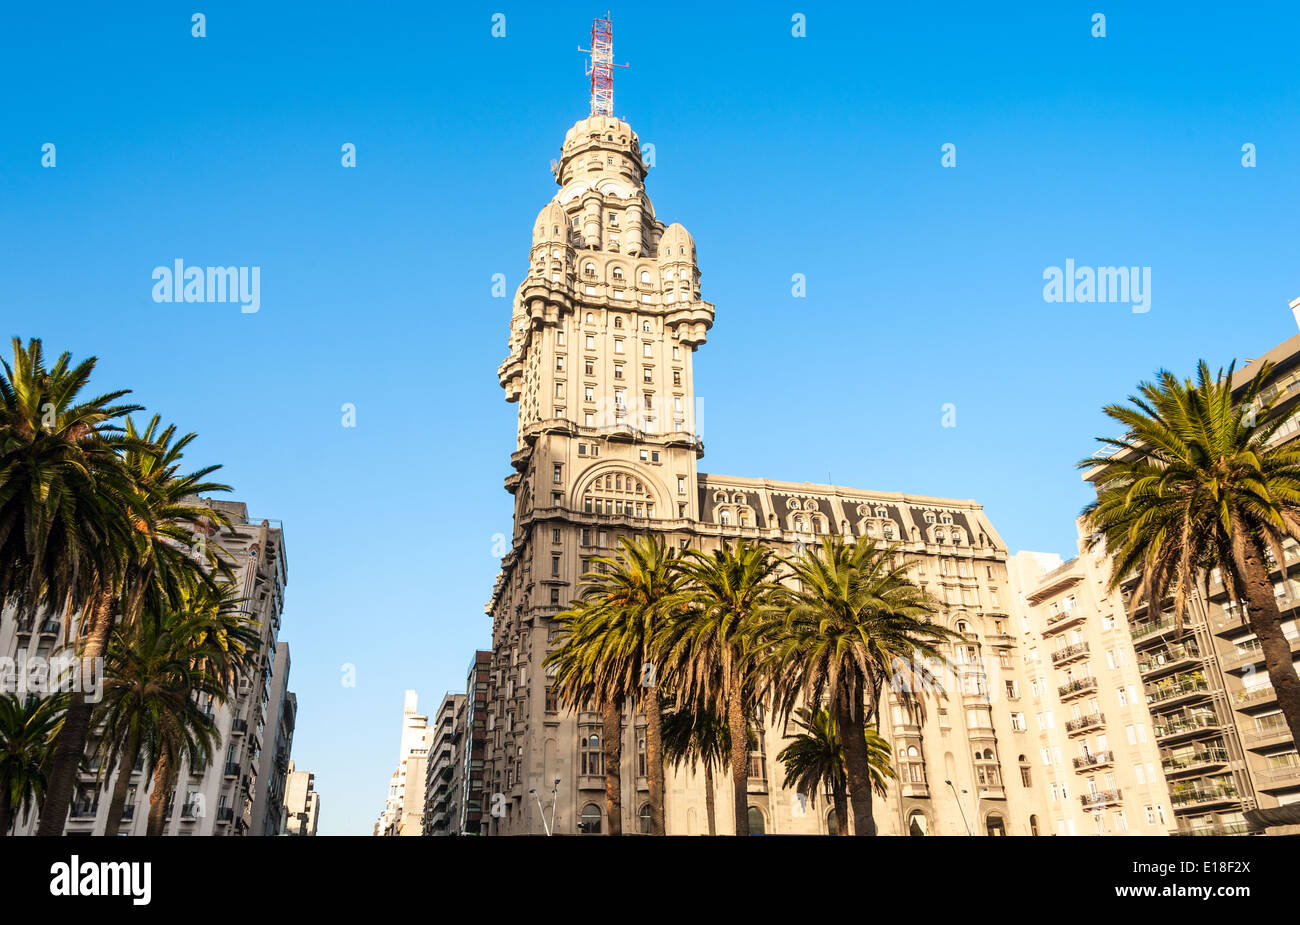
[
  {"x": 1086, "y": 764},
  {"x": 1187, "y": 723},
  {"x": 1068, "y": 654},
  {"x": 1085, "y": 724},
  {"x": 1199, "y": 760},
  {"x": 1077, "y": 688}
]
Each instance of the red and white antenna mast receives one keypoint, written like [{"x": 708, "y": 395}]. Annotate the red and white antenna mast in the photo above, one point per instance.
[{"x": 601, "y": 67}]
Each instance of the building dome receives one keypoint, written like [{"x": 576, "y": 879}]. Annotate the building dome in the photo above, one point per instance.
[
  {"x": 551, "y": 225},
  {"x": 676, "y": 245}
]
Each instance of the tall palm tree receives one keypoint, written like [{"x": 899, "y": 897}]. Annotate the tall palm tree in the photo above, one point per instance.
[
  {"x": 578, "y": 686},
  {"x": 717, "y": 624},
  {"x": 629, "y": 594},
  {"x": 814, "y": 761},
  {"x": 152, "y": 677},
  {"x": 66, "y": 511},
  {"x": 694, "y": 735},
  {"x": 856, "y": 624},
  {"x": 212, "y": 635},
  {"x": 28, "y": 728},
  {"x": 1198, "y": 481}
]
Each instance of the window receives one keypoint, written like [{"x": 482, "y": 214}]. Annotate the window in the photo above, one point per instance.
[
  {"x": 559, "y": 338},
  {"x": 591, "y": 342},
  {"x": 681, "y": 485},
  {"x": 557, "y": 472},
  {"x": 552, "y": 703},
  {"x": 1033, "y": 825},
  {"x": 591, "y": 758},
  {"x": 618, "y": 493},
  {"x": 618, "y": 345},
  {"x": 756, "y": 824},
  {"x": 555, "y": 566},
  {"x": 1025, "y": 773},
  {"x": 994, "y": 827},
  {"x": 618, "y": 370},
  {"x": 559, "y": 364},
  {"x": 645, "y": 276},
  {"x": 647, "y": 374},
  {"x": 643, "y": 819},
  {"x": 555, "y": 536},
  {"x": 677, "y": 353},
  {"x": 589, "y": 394},
  {"x": 647, "y": 349},
  {"x": 918, "y": 825},
  {"x": 555, "y": 595},
  {"x": 559, "y": 390},
  {"x": 590, "y": 824}
]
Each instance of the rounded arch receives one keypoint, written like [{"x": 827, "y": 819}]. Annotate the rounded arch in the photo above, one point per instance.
[
  {"x": 589, "y": 820},
  {"x": 609, "y": 481},
  {"x": 643, "y": 819},
  {"x": 757, "y": 821},
  {"x": 918, "y": 824},
  {"x": 994, "y": 826}
]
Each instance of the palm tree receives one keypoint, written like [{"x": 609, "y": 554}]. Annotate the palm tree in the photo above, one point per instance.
[
  {"x": 856, "y": 623},
  {"x": 1199, "y": 481},
  {"x": 66, "y": 505},
  {"x": 717, "y": 625},
  {"x": 629, "y": 592},
  {"x": 577, "y": 686},
  {"x": 698, "y": 736},
  {"x": 28, "y": 728},
  {"x": 213, "y": 638},
  {"x": 814, "y": 761}
]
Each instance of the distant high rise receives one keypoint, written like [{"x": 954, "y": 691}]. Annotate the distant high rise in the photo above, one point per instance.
[{"x": 404, "y": 809}]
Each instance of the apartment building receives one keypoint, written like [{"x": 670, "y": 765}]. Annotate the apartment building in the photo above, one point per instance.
[
  {"x": 221, "y": 797},
  {"x": 442, "y": 790},
  {"x": 473, "y": 726},
  {"x": 1095, "y": 753},
  {"x": 403, "y": 813},
  {"x": 301, "y": 802},
  {"x": 603, "y": 336}
]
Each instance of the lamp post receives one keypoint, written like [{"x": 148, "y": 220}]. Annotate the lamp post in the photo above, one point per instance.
[
  {"x": 533, "y": 791},
  {"x": 960, "y": 808},
  {"x": 554, "y": 796}
]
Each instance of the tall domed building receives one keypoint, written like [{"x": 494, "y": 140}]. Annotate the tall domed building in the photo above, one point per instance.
[{"x": 603, "y": 339}]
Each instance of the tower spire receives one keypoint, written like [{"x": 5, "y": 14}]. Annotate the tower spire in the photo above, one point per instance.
[{"x": 601, "y": 66}]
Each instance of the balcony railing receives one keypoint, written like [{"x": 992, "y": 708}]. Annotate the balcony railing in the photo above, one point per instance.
[
  {"x": 1231, "y": 828},
  {"x": 1094, "y": 760},
  {"x": 1197, "y": 758},
  {"x": 1142, "y": 632},
  {"x": 1069, "y": 653},
  {"x": 1213, "y": 794},
  {"x": 1181, "y": 686},
  {"x": 1167, "y": 657},
  {"x": 1180, "y": 723},
  {"x": 84, "y": 810},
  {"x": 1076, "y": 687},
  {"x": 1255, "y": 696},
  {"x": 1084, "y": 722},
  {"x": 1100, "y": 798}
]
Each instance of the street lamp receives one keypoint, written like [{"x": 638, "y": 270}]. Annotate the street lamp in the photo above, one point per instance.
[
  {"x": 960, "y": 808},
  {"x": 533, "y": 791}
]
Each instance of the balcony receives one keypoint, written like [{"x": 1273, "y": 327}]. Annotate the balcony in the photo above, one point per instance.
[
  {"x": 84, "y": 810},
  {"x": 1202, "y": 796},
  {"x": 1063, "y": 621},
  {"x": 1267, "y": 737},
  {"x": 1099, "y": 799},
  {"x": 1076, "y": 688},
  {"x": 1279, "y": 778},
  {"x": 1084, "y": 724},
  {"x": 1198, "y": 760},
  {"x": 1180, "y": 689},
  {"x": 128, "y": 812},
  {"x": 1251, "y": 653},
  {"x": 1092, "y": 762},
  {"x": 238, "y": 727},
  {"x": 1070, "y": 654},
  {"x": 1169, "y": 658},
  {"x": 50, "y": 628},
  {"x": 1174, "y": 725},
  {"x": 226, "y": 814},
  {"x": 1246, "y": 700},
  {"x": 232, "y": 769},
  {"x": 1148, "y": 631},
  {"x": 1195, "y": 831}
]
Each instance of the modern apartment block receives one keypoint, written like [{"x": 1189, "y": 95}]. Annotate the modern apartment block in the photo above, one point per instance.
[
  {"x": 472, "y": 724},
  {"x": 301, "y": 802},
  {"x": 442, "y": 789},
  {"x": 222, "y": 797},
  {"x": 1225, "y": 749},
  {"x": 1095, "y": 749},
  {"x": 602, "y": 342},
  {"x": 404, "y": 809}
]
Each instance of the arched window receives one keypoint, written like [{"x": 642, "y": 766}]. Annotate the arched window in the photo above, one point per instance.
[
  {"x": 645, "y": 326},
  {"x": 618, "y": 322},
  {"x": 643, "y": 819},
  {"x": 590, "y": 318},
  {"x": 618, "y": 493},
  {"x": 939, "y": 537},
  {"x": 889, "y": 531},
  {"x": 1033, "y": 825},
  {"x": 645, "y": 276},
  {"x": 946, "y": 518},
  {"x": 756, "y": 824},
  {"x": 994, "y": 827},
  {"x": 832, "y": 823},
  {"x": 724, "y": 518},
  {"x": 929, "y": 517},
  {"x": 917, "y": 824},
  {"x": 589, "y": 270},
  {"x": 590, "y": 824},
  {"x": 618, "y": 273}
]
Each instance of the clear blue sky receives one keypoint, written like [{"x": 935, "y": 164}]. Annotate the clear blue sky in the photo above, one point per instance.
[{"x": 817, "y": 155}]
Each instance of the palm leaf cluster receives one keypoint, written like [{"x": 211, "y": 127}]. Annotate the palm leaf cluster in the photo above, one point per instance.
[
  {"x": 699, "y": 642},
  {"x": 102, "y": 526}
]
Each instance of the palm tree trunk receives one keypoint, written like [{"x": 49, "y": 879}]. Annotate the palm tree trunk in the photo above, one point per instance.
[
  {"x": 71, "y": 746},
  {"x": 612, "y": 720},
  {"x": 158, "y": 800},
  {"x": 1266, "y": 621},
  {"x": 739, "y": 729},
  {"x": 709, "y": 809},
  {"x": 851, "y": 721},
  {"x": 654, "y": 753},
  {"x": 125, "y": 765},
  {"x": 839, "y": 793},
  {"x": 6, "y": 809}
]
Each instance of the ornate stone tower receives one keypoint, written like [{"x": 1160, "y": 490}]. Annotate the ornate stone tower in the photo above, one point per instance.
[{"x": 602, "y": 337}]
